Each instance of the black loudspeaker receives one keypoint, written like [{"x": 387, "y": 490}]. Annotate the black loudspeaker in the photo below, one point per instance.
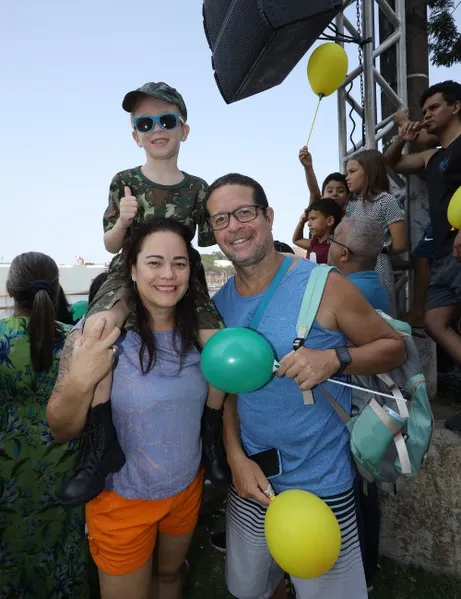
[{"x": 255, "y": 44}]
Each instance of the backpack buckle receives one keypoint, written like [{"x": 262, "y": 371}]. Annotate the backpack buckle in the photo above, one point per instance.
[{"x": 297, "y": 343}]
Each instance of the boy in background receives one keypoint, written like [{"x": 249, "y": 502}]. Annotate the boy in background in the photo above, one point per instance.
[
  {"x": 333, "y": 187},
  {"x": 322, "y": 216}
]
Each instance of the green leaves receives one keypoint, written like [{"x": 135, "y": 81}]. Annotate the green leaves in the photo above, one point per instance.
[{"x": 444, "y": 36}]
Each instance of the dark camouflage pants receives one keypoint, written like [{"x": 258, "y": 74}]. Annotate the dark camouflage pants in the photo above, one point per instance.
[{"x": 114, "y": 289}]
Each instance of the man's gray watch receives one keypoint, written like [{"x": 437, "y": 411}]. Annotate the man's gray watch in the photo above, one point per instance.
[{"x": 344, "y": 358}]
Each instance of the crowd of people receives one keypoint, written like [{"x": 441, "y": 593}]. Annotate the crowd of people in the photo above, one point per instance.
[
  {"x": 364, "y": 192},
  {"x": 109, "y": 427}
]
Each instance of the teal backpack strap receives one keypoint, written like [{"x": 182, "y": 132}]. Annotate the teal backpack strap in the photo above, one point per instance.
[
  {"x": 308, "y": 311},
  {"x": 266, "y": 298},
  {"x": 311, "y": 300}
]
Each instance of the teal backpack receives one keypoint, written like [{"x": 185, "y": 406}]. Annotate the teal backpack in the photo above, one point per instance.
[{"x": 391, "y": 423}]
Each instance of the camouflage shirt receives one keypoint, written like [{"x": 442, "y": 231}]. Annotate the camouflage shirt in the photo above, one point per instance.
[{"x": 184, "y": 202}]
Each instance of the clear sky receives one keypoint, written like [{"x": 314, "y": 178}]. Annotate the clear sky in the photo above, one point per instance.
[{"x": 65, "y": 68}]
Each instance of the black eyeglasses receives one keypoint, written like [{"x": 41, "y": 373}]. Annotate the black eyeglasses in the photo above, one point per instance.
[
  {"x": 244, "y": 214},
  {"x": 331, "y": 240}
]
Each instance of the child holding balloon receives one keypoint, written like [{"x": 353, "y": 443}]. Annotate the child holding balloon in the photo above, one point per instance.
[
  {"x": 158, "y": 118},
  {"x": 333, "y": 187},
  {"x": 326, "y": 71},
  {"x": 368, "y": 182}
]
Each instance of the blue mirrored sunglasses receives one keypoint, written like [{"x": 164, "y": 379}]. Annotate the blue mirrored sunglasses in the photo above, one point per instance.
[{"x": 167, "y": 121}]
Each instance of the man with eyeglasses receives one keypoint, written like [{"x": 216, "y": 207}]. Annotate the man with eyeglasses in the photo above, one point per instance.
[
  {"x": 271, "y": 434},
  {"x": 354, "y": 250}
]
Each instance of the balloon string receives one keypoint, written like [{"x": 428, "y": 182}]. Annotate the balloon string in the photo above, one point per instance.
[
  {"x": 337, "y": 382},
  {"x": 372, "y": 391},
  {"x": 314, "y": 119}
]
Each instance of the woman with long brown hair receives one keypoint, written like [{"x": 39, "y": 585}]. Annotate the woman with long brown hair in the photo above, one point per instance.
[
  {"x": 43, "y": 548},
  {"x": 158, "y": 398},
  {"x": 369, "y": 184}
]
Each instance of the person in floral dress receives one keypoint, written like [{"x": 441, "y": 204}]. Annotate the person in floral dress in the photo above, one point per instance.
[{"x": 43, "y": 549}]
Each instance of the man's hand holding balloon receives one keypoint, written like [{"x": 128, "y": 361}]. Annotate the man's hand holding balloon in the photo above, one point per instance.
[{"x": 309, "y": 367}]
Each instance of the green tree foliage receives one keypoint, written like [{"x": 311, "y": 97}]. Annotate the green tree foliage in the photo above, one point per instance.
[
  {"x": 208, "y": 261},
  {"x": 444, "y": 35}
]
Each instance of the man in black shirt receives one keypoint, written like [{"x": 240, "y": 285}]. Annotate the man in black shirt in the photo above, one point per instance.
[{"x": 441, "y": 105}]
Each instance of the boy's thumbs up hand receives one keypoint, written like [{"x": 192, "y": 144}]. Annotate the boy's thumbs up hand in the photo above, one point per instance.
[{"x": 128, "y": 208}]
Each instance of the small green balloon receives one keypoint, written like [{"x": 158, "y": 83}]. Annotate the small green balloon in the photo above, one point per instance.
[
  {"x": 237, "y": 360},
  {"x": 78, "y": 309}
]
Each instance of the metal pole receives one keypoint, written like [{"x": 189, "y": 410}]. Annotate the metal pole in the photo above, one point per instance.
[
  {"x": 368, "y": 74},
  {"x": 342, "y": 117},
  {"x": 402, "y": 93},
  {"x": 401, "y": 53}
]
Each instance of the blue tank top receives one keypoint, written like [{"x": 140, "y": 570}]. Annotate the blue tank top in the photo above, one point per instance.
[
  {"x": 312, "y": 440},
  {"x": 157, "y": 417}
]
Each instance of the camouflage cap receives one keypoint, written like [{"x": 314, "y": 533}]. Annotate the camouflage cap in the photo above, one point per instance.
[{"x": 161, "y": 91}]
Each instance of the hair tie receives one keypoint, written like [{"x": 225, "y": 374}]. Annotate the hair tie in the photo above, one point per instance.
[{"x": 40, "y": 286}]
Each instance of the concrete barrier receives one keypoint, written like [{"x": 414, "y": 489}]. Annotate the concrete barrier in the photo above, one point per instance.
[{"x": 421, "y": 524}]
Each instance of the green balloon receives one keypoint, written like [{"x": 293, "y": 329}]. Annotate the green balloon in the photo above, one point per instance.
[
  {"x": 237, "y": 360},
  {"x": 78, "y": 309}
]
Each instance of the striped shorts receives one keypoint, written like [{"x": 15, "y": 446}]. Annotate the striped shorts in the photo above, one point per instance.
[{"x": 251, "y": 573}]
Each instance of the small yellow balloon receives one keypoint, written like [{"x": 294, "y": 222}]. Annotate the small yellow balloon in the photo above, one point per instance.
[
  {"x": 327, "y": 68},
  {"x": 454, "y": 210},
  {"x": 302, "y": 534}
]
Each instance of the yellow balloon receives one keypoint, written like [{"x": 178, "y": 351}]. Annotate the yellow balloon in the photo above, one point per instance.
[
  {"x": 327, "y": 68},
  {"x": 454, "y": 210},
  {"x": 302, "y": 534}
]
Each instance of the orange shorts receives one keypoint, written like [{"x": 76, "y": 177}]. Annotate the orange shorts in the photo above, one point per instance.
[{"x": 122, "y": 532}]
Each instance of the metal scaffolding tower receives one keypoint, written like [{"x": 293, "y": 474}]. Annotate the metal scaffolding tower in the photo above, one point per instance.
[{"x": 372, "y": 82}]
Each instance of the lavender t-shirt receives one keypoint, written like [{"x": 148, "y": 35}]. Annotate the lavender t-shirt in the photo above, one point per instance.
[{"x": 157, "y": 417}]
